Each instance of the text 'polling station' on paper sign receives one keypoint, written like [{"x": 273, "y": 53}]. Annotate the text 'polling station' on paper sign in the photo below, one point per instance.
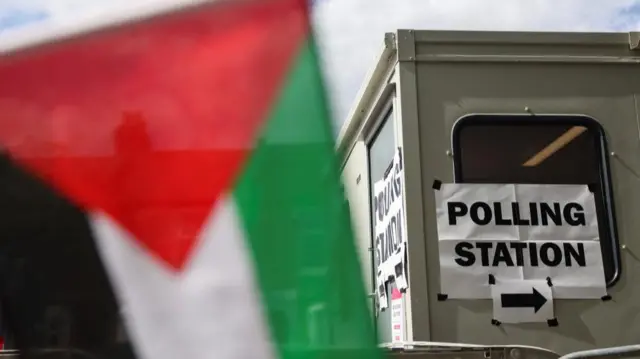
[
  {"x": 390, "y": 236},
  {"x": 518, "y": 232},
  {"x": 494, "y": 254},
  {"x": 535, "y": 213}
]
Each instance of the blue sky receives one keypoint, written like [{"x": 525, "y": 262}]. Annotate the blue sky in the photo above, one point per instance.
[
  {"x": 13, "y": 17},
  {"x": 351, "y": 31}
]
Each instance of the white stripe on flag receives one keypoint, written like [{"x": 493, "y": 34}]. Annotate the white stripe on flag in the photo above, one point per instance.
[
  {"x": 80, "y": 24},
  {"x": 210, "y": 310}
]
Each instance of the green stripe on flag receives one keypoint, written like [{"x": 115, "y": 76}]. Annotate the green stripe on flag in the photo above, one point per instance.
[{"x": 299, "y": 229}]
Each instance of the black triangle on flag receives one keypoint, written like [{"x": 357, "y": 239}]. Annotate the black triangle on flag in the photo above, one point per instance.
[{"x": 54, "y": 290}]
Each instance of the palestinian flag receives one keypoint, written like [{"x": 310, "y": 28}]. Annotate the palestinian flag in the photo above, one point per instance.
[{"x": 170, "y": 186}]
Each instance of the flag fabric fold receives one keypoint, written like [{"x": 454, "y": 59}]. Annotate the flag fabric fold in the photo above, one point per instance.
[{"x": 199, "y": 148}]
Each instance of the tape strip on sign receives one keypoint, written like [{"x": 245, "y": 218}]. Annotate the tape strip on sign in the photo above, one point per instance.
[
  {"x": 518, "y": 232},
  {"x": 389, "y": 226}
]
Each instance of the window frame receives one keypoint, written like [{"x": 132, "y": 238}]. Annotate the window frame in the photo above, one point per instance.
[
  {"x": 387, "y": 112},
  {"x": 386, "y": 115},
  {"x": 605, "y": 181}
]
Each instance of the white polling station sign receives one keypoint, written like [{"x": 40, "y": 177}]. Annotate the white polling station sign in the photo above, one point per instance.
[
  {"x": 389, "y": 224},
  {"x": 518, "y": 232}
]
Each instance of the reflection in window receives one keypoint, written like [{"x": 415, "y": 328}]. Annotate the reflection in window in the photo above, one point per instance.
[{"x": 539, "y": 150}]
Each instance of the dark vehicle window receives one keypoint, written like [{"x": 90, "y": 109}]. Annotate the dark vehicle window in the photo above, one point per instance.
[{"x": 540, "y": 150}]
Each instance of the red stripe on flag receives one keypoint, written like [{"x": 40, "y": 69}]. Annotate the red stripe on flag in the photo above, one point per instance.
[{"x": 151, "y": 122}]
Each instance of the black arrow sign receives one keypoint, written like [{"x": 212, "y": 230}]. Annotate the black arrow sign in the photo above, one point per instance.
[{"x": 533, "y": 300}]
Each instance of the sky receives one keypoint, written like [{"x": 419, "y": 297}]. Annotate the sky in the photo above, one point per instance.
[{"x": 350, "y": 32}]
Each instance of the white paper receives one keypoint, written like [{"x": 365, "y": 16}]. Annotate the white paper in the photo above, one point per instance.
[
  {"x": 568, "y": 253},
  {"x": 400, "y": 272},
  {"x": 468, "y": 193},
  {"x": 522, "y": 301},
  {"x": 381, "y": 293},
  {"x": 389, "y": 227},
  {"x": 397, "y": 317}
]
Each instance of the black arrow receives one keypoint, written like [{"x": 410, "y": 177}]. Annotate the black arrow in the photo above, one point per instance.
[{"x": 533, "y": 300}]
